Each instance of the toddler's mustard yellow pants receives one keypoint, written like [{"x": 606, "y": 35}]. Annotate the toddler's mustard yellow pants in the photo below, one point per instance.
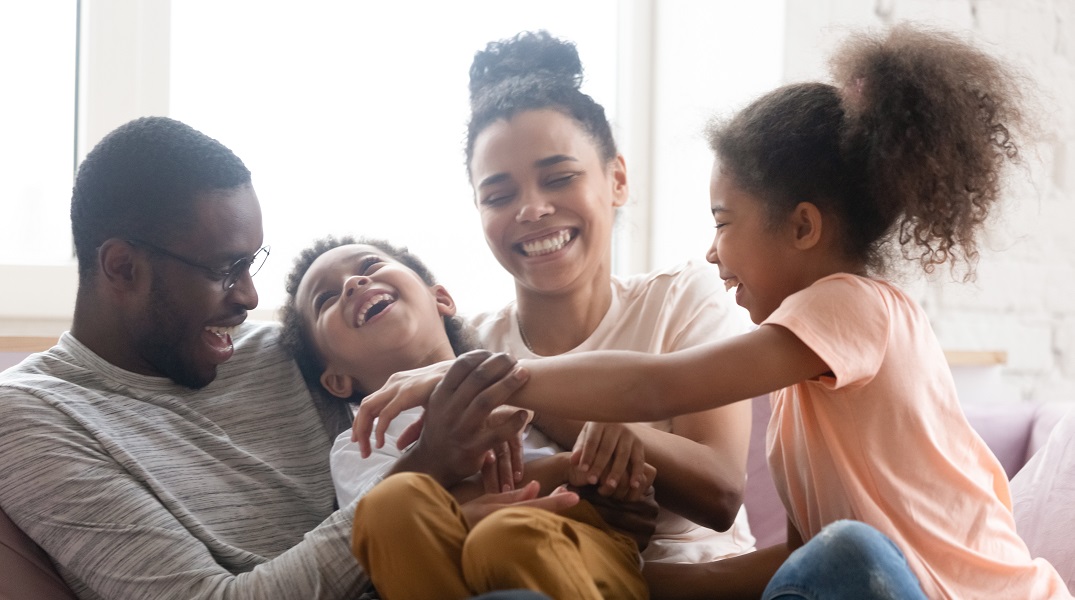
[{"x": 411, "y": 537}]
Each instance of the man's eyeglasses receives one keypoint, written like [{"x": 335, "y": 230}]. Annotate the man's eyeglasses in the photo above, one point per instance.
[{"x": 228, "y": 277}]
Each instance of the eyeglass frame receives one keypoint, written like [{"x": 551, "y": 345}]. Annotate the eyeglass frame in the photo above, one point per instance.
[{"x": 228, "y": 277}]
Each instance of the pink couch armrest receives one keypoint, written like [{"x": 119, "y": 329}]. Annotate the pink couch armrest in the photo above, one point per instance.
[{"x": 27, "y": 571}]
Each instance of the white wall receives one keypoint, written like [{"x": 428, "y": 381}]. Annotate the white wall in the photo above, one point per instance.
[{"x": 1023, "y": 302}]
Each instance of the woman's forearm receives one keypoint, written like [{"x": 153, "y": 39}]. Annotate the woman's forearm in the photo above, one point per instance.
[
  {"x": 739, "y": 577},
  {"x": 693, "y": 480}
]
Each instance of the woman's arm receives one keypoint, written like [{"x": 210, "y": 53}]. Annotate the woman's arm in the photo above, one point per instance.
[
  {"x": 636, "y": 386},
  {"x": 744, "y": 576},
  {"x": 702, "y": 463},
  {"x": 739, "y": 577}
]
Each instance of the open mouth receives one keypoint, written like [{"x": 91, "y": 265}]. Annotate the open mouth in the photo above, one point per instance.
[
  {"x": 219, "y": 342},
  {"x": 374, "y": 306},
  {"x": 548, "y": 244},
  {"x": 223, "y": 335},
  {"x": 730, "y": 283}
]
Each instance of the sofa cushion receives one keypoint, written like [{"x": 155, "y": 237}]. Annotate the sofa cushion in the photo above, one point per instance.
[
  {"x": 27, "y": 571},
  {"x": 1005, "y": 428},
  {"x": 765, "y": 512}
]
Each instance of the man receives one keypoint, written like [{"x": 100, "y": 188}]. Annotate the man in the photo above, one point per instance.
[{"x": 163, "y": 448}]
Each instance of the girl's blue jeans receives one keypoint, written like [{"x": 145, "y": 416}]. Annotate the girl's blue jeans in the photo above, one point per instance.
[{"x": 848, "y": 559}]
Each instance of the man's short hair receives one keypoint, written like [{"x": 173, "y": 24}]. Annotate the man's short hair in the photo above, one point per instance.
[{"x": 141, "y": 181}]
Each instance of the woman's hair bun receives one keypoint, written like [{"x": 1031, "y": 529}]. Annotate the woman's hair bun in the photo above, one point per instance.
[{"x": 526, "y": 54}]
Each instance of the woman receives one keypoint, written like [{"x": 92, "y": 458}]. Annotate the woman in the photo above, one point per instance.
[{"x": 547, "y": 182}]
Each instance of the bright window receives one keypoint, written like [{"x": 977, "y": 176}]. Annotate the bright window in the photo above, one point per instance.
[
  {"x": 352, "y": 116},
  {"x": 37, "y": 118}
]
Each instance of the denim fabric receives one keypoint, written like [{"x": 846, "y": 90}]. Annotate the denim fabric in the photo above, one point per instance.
[{"x": 848, "y": 559}]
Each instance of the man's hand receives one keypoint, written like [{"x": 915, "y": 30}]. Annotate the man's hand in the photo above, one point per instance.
[
  {"x": 503, "y": 465},
  {"x": 479, "y": 508},
  {"x": 459, "y": 430}
]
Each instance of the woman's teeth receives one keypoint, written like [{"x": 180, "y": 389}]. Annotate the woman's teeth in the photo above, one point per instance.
[
  {"x": 730, "y": 283},
  {"x": 546, "y": 245}
]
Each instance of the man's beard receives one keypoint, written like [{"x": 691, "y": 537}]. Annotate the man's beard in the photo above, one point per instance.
[{"x": 164, "y": 343}]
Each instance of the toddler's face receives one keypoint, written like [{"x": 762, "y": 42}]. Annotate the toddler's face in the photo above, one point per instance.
[{"x": 368, "y": 314}]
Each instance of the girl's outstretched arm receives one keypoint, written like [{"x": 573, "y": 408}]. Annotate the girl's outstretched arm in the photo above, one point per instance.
[{"x": 635, "y": 386}]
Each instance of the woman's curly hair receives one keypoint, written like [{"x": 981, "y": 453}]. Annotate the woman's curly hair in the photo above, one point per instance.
[
  {"x": 533, "y": 71},
  {"x": 296, "y": 333},
  {"x": 907, "y": 149}
]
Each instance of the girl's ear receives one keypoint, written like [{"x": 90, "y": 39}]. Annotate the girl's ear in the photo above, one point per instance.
[
  {"x": 618, "y": 171},
  {"x": 337, "y": 384},
  {"x": 806, "y": 224},
  {"x": 445, "y": 303}
]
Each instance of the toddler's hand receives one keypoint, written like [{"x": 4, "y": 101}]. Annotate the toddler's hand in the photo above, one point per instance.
[
  {"x": 503, "y": 466},
  {"x": 612, "y": 457}
]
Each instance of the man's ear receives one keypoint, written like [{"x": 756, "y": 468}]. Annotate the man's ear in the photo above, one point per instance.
[
  {"x": 445, "y": 303},
  {"x": 806, "y": 224},
  {"x": 119, "y": 264},
  {"x": 619, "y": 180},
  {"x": 338, "y": 384}
]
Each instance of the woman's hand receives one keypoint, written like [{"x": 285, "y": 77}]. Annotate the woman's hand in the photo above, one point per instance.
[{"x": 611, "y": 456}]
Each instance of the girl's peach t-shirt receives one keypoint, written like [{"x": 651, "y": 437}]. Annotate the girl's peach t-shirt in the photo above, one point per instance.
[{"x": 882, "y": 439}]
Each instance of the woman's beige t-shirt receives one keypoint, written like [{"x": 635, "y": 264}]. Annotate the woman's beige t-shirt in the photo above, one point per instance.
[{"x": 656, "y": 312}]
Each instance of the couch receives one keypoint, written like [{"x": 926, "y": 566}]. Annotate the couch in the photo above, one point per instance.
[{"x": 1013, "y": 432}]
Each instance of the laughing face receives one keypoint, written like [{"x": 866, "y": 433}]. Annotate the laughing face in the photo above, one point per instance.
[
  {"x": 184, "y": 331},
  {"x": 547, "y": 200},
  {"x": 368, "y": 316},
  {"x": 756, "y": 259}
]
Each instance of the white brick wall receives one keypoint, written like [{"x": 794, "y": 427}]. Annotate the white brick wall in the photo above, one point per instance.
[{"x": 1023, "y": 301}]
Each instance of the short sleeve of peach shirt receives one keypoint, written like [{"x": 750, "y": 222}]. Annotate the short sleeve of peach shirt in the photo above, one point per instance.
[{"x": 882, "y": 439}]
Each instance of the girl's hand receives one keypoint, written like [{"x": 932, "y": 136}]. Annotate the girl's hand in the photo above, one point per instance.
[
  {"x": 611, "y": 456},
  {"x": 402, "y": 391}
]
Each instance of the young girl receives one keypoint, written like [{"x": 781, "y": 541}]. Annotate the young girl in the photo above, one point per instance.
[
  {"x": 359, "y": 311},
  {"x": 547, "y": 182},
  {"x": 811, "y": 186}
]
